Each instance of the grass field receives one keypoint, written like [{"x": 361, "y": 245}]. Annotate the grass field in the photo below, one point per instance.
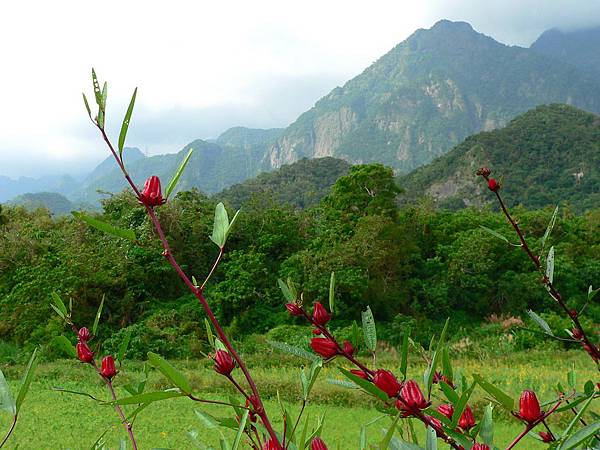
[{"x": 53, "y": 420}]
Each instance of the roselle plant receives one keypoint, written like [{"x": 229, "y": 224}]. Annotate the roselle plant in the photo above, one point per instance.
[{"x": 419, "y": 412}]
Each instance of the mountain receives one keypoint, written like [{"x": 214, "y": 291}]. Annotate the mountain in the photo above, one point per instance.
[
  {"x": 301, "y": 184},
  {"x": 57, "y": 204},
  {"x": 62, "y": 184},
  {"x": 545, "y": 156},
  {"x": 426, "y": 95},
  {"x": 579, "y": 48}
]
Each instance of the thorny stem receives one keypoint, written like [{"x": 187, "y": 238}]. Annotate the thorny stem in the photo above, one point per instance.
[
  {"x": 593, "y": 350},
  {"x": 10, "y": 430}
]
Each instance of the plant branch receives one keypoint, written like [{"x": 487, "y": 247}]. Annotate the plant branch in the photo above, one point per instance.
[
  {"x": 213, "y": 268},
  {"x": 10, "y": 430}
]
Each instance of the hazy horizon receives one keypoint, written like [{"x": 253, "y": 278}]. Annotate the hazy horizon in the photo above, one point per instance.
[{"x": 202, "y": 69}]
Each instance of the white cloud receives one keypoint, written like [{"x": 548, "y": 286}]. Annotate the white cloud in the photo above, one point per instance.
[{"x": 201, "y": 66}]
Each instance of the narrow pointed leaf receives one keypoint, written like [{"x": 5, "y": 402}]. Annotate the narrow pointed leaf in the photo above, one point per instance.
[
  {"x": 97, "y": 319},
  {"x": 124, "y": 345},
  {"x": 148, "y": 397},
  {"x": 494, "y": 233},
  {"x": 106, "y": 227},
  {"x": 581, "y": 435},
  {"x": 177, "y": 175},
  {"x": 365, "y": 385},
  {"x": 87, "y": 105},
  {"x": 431, "y": 443},
  {"x": 549, "y": 228},
  {"x": 369, "y": 330},
  {"x": 26, "y": 381},
  {"x": 174, "y": 375},
  {"x": 7, "y": 403},
  {"x": 385, "y": 443},
  {"x": 125, "y": 124},
  {"x": 332, "y": 292},
  {"x": 220, "y": 226},
  {"x": 240, "y": 432},
  {"x": 500, "y": 396},
  {"x": 541, "y": 322},
  {"x": 285, "y": 290},
  {"x": 59, "y": 303},
  {"x": 486, "y": 429},
  {"x": 65, "y": 345},
  {"x": 550, "y": 265}
]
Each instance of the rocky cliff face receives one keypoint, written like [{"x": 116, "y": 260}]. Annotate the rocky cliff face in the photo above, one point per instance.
[{"x": 426, "y": 95}]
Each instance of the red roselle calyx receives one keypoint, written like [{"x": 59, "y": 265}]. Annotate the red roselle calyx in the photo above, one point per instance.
[
  {"x": 467, "y": 420},
  {"x": 546, "y": 437},
  {"x": 435, "y": 424},
  {"x": 151, "y": 195},
  {"x": 108, "y": 367},
  {"x": 318, "y": 444},
  {"x": 324, "y": 347},
  {"x": 477, "y": 446},
  {"x": 294, "y": 309},
  {"x": 446, "y": 409},
  {"x": 348, "y": 349},
  {"x": 493, "y": 185},
  {"x": 484, "y": 172},
  {"x": 359, "y": 373},
  {"x": 529, "y": 407},
  {"x": 84, "y": 334},
  {"x": 84, "y": 353},
  {"x": 320, "y": 315},
  {"x": 577, "y": 334},
  {"x": 412, "y": 397},
  {"x": 223, "y": 362},
  {"x": 387, "y": 382}
]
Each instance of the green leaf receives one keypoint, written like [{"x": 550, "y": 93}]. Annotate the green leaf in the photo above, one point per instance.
[
  {"x": 363, "y": 438},
  {"x": 550, "y": 265},
  {"x": 500, "y": 396},
  {"x": 65, "y": 345},
  {"x": 97, "y": 319},
  {"x": 431, "y": 443},
  {"x": 581, "y": 435},
  {"x": 174, "y": 375},
  {"x": 486, "y": 429},
  {"x": 369, "y": 330},
  {"x": 87, "y": 105},
  {"x": 177, "y": 175},
  {"x": 385, "y": 443},
  {"x": 308, "y": 382},
  {"x": 541, "y": 322},
  {"x": 240, "y": 431},
  {"x": 149, "y": 397},
  {"x": 332, "y": 292},
  {"x": 446, "y": 364},
  {"x": 567, "y": 431},
  {"x": 26, "y": 381},
  {"x": 450, "y": 393},
  {"x": 404, "y": 353},
  {"x": 59, "y": 304},
  {"x": 365, "y": 385},
  {"x": 549, "y": 228},
  {"x": 459, "y": 407},
  {"x": 105, "y": 227},
  {"x": 124, "y": 345},
  {"x": 285, "y": 290},
  {"x": 296, "y": 351},
  {"x": 592, "y": 292},
  {"x": 494, "y": 233},
  {"x": 125, "y": 124},
  {"x": 221, "y": 224},
  {"x": 209, "y": 334},
  {"x": 7, "y": 403},
  {"x": 97, "y": 91},
  {"x": 572, "y": 379},
  {"x": 430, "y": 371}
]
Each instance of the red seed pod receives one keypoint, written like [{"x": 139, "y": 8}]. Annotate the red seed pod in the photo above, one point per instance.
[
  {"x": 360, "y": 373},
  {"x": 477, "y": 446},
  {"x": 84, "y": 353},
  {"x": 84, "y": 334},
  {"x": 324, "y": 347},
  {"x": 223, "y": 362},
  {"x": 546, "y": 437},
  {"x": 446, "y": 409},
  {"x": 108, "y": 367},
  {"x": 529, "y": 407},
  {"x": 493, "y": 185},
  {"x": 320, "y": 315},
  {"x": 348, "y": 349},
  {"x": 412, "y": 396},
  {"x": 294, "y": 309},
  {"x": 317, "y": 444},
  {"x": 151, "y": 195},
  {"x": 387, "y": 382},
  {"x": 484, "y": 172},
  {"x": 467, "y": 420}
]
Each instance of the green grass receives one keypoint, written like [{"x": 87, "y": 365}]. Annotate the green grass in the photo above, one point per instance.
[{"x": 53, "y": 420}]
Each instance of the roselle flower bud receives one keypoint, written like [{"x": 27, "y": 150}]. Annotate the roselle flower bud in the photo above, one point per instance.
[
  {"x": 151, "y": 195},
  {"x": 546, "y": 437},
  {"x": 467, "y": 421},
  {"x": 387, "y": 382},
  {"x": 484, "y": 172},
  {"x": 529, "y": 407},
  {"x": 493, "y": 185},
  {"x": 477, "y": 446},
  {"x": 412, "y": 396},
  {"x": 108, "y": 367},
  {"x": 223, "y": 362},
  {"x": 324, "y": 347},
  {"x": 348, "y": 349},
  {"x": 320, "y": 315},
  {"x": 84, "y": 353},
  {"x": 294, "y": 309},
  {"x": 84, "y": 334},
  {"x": 573, "y": 313},
  {"x": 446, "y": 409},
  {"x": 360, "y": 373},
  {"x": 317, "y": 444},
  {"x": 435, "y": 424},
  {"x": 577, "y": 334}
]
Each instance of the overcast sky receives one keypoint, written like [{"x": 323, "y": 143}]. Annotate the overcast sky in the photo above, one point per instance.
[{"x": 202, "y": 67}]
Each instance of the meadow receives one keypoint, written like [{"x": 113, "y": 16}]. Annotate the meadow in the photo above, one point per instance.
[{"x": 58, "y": 420}]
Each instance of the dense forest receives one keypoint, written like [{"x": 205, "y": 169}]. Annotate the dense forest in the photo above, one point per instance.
[{"x": 414, "y": 265}]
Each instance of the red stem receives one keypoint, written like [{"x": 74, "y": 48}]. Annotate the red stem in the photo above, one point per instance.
[{"x": 531, "y": 426}]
